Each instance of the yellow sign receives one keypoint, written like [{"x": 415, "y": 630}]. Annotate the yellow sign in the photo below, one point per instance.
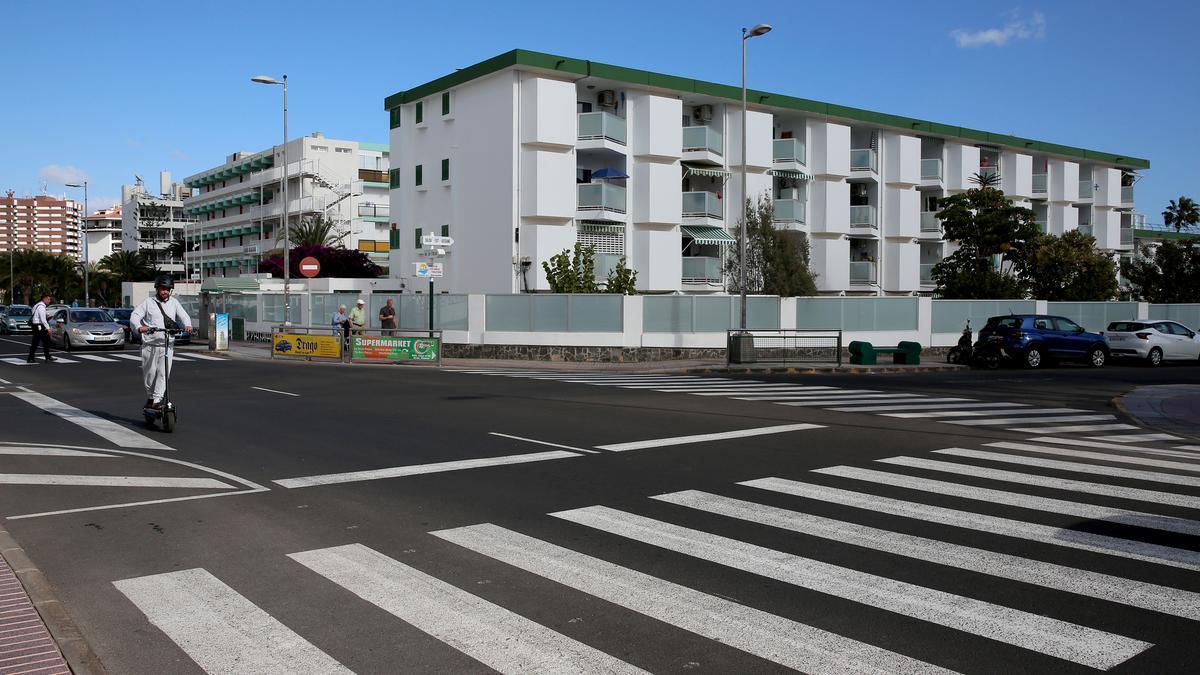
[{"x": 290, "y": 344}]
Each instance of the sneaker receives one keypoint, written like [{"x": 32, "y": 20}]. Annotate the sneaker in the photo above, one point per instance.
[
  {"x": 157, "y": 405},
  {"x": 30, "y": 360},
  {"x": 149, "y": 402}
]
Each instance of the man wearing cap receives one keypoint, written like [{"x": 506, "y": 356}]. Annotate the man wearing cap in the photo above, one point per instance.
[{"x": 358, "y": 318}]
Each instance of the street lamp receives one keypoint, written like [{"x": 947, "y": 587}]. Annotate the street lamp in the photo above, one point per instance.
[
  {"x": 83, "y": 233},
  {"x": 760, "y": 29},
  {"x": 287, "y": 267}
]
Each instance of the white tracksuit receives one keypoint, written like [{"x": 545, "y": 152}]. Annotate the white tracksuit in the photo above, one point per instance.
[{"x": 153, "y": 344}]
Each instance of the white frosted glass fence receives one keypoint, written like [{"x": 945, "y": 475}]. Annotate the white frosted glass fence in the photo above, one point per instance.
[
  {"x": 1188, "y": 315},
  {"x": 949, "y": 316},
  {"x": 555, "y": 313},
  {"x": 1094, "y": 316},
  {"x": 707, "y": 313},
  {"x": 858, "y": 314}
]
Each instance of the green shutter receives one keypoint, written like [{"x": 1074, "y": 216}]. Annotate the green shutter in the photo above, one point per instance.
[
  {"x": 445, "y": 230},
  {"x": 445, "y": 169},
  {"x": 420, "y": 111},
  {"x": 417, "y": 174},
  {"x": 394, "y": 117},
  {"x": 417, "y": 238},
  {"x": 393, "y": 239},
  {"x": 445, "y": 103},
  {"x": 394, "y": 178}
]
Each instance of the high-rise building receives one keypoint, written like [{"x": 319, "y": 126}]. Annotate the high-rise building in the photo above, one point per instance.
[
  {"x": 41, "y": 223},
  {"x": 150, "y": 223},
  {"x": 102, "y": 232},
  {"x": 239, "y": 203}
]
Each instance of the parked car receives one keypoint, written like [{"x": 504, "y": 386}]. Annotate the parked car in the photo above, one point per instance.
[
  {"x": 15, "y": 319},
  {"x": 1033, "y": 340},
  {"x": 1155, "y": 341},
  {"x": 121, "y": 316},
  {"x": 85, "y": 327}
]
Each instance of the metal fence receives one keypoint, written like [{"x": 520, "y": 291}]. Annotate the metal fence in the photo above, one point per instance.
[{"x": 783, "y": 346}]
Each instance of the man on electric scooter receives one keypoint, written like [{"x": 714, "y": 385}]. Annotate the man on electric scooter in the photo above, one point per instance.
[{"x": 159, "y": 311}]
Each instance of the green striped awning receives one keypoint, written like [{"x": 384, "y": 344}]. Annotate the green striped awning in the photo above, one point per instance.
[
  {"x": 788, "y": 173},
  {"x": 708, "y": 173},
  {"x": 707, "y": 235},
  {"x": 600, "y": 227}
]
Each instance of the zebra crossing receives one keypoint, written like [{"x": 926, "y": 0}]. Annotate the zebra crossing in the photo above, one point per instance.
[
  {"x": 107, "y": 357},
  {"x": 961, "y": 411},
  {"x": 835, "y": 510}
]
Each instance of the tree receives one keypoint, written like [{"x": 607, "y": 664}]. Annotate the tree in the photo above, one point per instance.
[
  {"x": 1170, "y": 273},
  {"x": 1181, "y": 214},
  {"x": 335, "y": 262},
  {"x": 1070, "y": 268},
  {"x": 313, "y": 231},
  {"x": 176, "y": 248},
  {"x": 993, "y": 237},
  {"x": 621, "y": 279},
  {"x": 777, "y": 262},
  {"x": 568, "y": 272},
  {"x": 128, "y": 266}
]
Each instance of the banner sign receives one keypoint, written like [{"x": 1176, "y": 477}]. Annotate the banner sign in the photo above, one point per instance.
[
  {"x": 221, "y": 332},
  {"x": 388, "y": 348},
  {"x": 425, "y": 270},
  {"x": 290, "y": 344}
]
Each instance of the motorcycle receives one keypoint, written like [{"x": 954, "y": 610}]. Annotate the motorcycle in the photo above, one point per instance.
[{"x": 961, "y": 353}]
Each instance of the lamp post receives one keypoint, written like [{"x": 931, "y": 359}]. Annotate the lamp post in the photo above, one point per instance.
[
  {"x": 83, "y": 234},
  {"x": 760, "y": 29},
  {"x": 287, "y": 266}
]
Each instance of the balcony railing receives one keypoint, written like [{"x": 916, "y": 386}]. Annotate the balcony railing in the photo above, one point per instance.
[
  {"x": 930, "y": 222},
  {"x": 596, "y": 126},
  {"x": 927, "y": 273},
  {"x": 985, "y": 171},
  {"x": 862, "y": 272},
  {"x": 605, "y": 263},
  {"x": 373, "y": 175},
  {"x": 1127, "y": 236},
  {"x": 862, "y": 216},
  {"x": 788, "y": 150},
  {"x": 862, "y": 159},
  {"x": 1085, "y": 189},
  {"x": 1039, "y": 184},
  {"x": 1086, "y": 228},
  {"x": 604, "y": 196},
  {"x": 701, "y": 270},
  {"x": 1126, "y": 194},
  {"x": 931, "y": 169},
  {"x": 374, "y": 210},
  {"x": 700, "y": 139},
  {"x": 789, "y": 211},
  {"x": 701, "y": 205}
]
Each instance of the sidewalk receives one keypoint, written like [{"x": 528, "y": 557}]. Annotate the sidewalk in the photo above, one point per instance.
[{"x": 1172, "y": 408}]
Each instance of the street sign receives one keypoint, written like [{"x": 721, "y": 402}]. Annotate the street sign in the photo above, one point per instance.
[
  {"x": 436, "y": 240},
  {"x": 310, "y": 267},
  {"x": 426, "y": 270}
]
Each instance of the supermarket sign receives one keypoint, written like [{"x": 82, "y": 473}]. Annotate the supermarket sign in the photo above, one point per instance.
[{"x": 388, "y": 348}]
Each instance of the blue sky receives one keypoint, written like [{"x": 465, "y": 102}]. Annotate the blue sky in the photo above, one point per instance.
[{"x": 106, "y": 90}]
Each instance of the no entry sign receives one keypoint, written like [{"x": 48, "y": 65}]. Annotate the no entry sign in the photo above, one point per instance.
[{"x": 310, "y": 267}]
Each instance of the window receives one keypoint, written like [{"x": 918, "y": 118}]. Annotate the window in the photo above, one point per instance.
[
  {"x": 394, "y": 178},
  {"x": 394, "y": 118},
  {"x": 417, "y": 175},
  {"x": 445, "y": 103},
  {"x": 1067, "y": 325},
  {"x": 344, "y": 151},
  {"x": 445, "y": 169},
  {"x": 420, "y": 111},
  {"x": 417, "y": 238},
  {"x": 445, "y": 230}
]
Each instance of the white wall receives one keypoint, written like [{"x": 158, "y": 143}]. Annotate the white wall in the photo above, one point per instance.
[
  {"x": 962, "y": 162},
  {"x": 829, "y": 149}
]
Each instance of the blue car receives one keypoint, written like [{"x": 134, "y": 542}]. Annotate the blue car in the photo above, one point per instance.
[{"x": 1033, "y": 340}]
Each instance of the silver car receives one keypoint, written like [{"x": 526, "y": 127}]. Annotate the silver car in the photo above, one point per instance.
[
  {"x": 74, "y": 328},
  {"x": 1154, "y": 341}
]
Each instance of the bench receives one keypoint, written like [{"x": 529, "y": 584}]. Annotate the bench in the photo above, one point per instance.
[{"x": 864, "y": 353}]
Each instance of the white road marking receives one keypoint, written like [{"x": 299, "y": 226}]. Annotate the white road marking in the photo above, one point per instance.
[
  {"x": 16, "y": 361},
  {"x": 783, "y": 641},
  {"x": 221, "y": 630},
  {"x": 109, "y": 431},
  {"x": 937, "y": 406},
  {"x": 1189, "y": 447},
  {"x": 176, "y": 357},
  {"x": 49, "y": 452},
  {"x": 128, "y": 357},
  {"x": 866, "y": 400},
  {"x": 798, "y": 396},
  {"x": 704, "y": 438},
  {"x": 1062, "y": 640},
  {"x": 275, "y": 391},
  {"x": 420, "y": 469},
  {"x": 1072, "y": 428},
  {"x": 1106, "y": 446},
  {"x": 1086, "y": 541},
  {"x": 111, "y": 481},
  {"x": 1135, "y": 438},
  {"x": 975, "y": 493},
  {"x": 202, "y": 357},
  {"x": 754, "y": 394},
  {"x": 1075, "y": 467},
  {"x": 62, "y": 359},
  {"x": 93, "y": 357},
  {"x": 665, "y": 381},
  {"x": 1135, "y": 494},
  {"x": 1156, "y": 598},
  {"x": 488, "y": 633},
  {"x": 1031, "y": 420},
  {"x": 1101, "y": 456},
  {"x": 534, "y": 440},
  {"x": 748, "y": 389},
  {"x": 978, "y": 413}
]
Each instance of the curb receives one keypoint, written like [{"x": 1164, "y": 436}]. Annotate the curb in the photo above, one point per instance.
[
  {"x": 71, "y": 643},
  {"x": 1117, "y": 403}
]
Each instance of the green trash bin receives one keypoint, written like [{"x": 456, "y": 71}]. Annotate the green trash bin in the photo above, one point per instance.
[{"x": 237, "y": 329}]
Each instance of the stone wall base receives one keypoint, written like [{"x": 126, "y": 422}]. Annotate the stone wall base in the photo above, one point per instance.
[{"x": 581, "y": 354}]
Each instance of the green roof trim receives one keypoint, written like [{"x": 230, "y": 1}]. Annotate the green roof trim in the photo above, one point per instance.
[
  {"x": 582, "y": 68},
  {"x": 376, "y": 147}
]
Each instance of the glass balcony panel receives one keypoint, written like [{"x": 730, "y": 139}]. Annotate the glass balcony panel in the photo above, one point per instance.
[
  {"x": 789, "y": 211},
  {"x": 862, "y": 272},
  {"x": 1041, "y": 225},
  {"x": 1126, "y": 194},
  {"x": 701, "y": 205},
  {"x": 862, "y": 216},
  {"x": 1086, "y": 228},
  {"x": 701, "y": 139},
  {"x": 985, "y": 171},
  {"x": 1085, "y": 189},
  {"x": 862, "y": 159},
  {"x": 1126, "y": 236},
  {"x": 788, "y": 150},
  {"x": 605, "y": 263},
  {"x": 701, "y": 269},
  {"x": 601, "y": 126},
  {"x": 930, "y": 222},
  {"x": 927, "y": 273},
  {"x": 931, "y": 169},
  {"x": 1039, "y": 183},
  {"x": 601, "y": 196},
  {"x": 373, "y": 210}
]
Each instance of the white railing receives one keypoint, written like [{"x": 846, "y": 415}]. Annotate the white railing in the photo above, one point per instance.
[
  {"x": 862, "y": 272},
  {"x": 862, "y": 216},
  {"x": 863, "y": 159},
  {"x": 931, "y": 169},
  {"x": 930, "y": 222}
]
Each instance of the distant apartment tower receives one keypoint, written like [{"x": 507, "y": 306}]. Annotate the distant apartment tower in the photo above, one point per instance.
[
  {"x": 102, "y": 233},
  {"x": 151, "y": 222},
  {"x": 239, "y": 204},
  {"x": 526, "y": 154},
  {"x": 41, "y": 223}
]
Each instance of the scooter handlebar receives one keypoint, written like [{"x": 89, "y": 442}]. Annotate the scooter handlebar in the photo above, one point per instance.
[{"x": 168, "y": 331}]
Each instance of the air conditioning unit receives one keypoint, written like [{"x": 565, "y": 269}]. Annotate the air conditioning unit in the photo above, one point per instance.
[
  {"x": 702, "y": 113},
  {"x": 607, "y": 99}
]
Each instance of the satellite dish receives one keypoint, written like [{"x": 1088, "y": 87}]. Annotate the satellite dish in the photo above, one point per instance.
[{"x": 139, "y": 178}]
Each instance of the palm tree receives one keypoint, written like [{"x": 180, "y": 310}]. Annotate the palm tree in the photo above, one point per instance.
[
  {"x": 128, "y": 266},
  {"x": 176, "y": 248},
  {"x": 315, "y": 231},
  {"x": 986, "y": 180},
  {"x": 1182, "y": 214}
]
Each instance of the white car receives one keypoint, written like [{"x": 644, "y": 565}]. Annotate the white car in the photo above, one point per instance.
[{"x": 1155, "y": 341}]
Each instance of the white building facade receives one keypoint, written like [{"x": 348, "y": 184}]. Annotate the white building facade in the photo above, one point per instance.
[
  {"x": 523, "y": 155},
  {"x": 239, "y": 204},
  {"x": 103, "y": 234},
  {"x": 151, "y": 222}
]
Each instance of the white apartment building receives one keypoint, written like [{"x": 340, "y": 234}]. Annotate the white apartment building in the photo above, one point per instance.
[
  {"x": 239, "y": 204},
  {"x": 103, "y": 235},
  {"x": 151, "y": 222},
  {"x": 523, "y": 155}
]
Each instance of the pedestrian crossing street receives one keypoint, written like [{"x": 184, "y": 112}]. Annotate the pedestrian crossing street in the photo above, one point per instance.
[
  {"x": 69, "y": 358},
  {"x": 960, "y": 411},
  {"x": 834, "y": 513}
]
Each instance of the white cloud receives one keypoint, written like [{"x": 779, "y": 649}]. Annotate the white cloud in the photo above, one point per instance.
[
  {"x": 101, "y": 203},
  {"x": 59, "y": 175},
  {"x": 1018, "y": 27},
  {"x": 180, "y": 155}
]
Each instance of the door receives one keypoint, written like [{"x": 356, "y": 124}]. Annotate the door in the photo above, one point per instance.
[
  {"x": 1070, "y": 334},
  {"x": 1052, "y": 342},
  {"x": 58, "y": 327},
  {"x": 1180, "y": 340}
]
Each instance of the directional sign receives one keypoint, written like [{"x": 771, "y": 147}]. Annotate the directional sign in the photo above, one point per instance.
[
  {"x": 436, "y": 240},
  {"x": 310, "y": 267},
  {"x": 427, "y": 270}
]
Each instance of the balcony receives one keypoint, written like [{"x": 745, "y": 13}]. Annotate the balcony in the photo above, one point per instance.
[
  {"x": 601, "y": 126},
  {"x": 862, "y": 273},
  {"x": 789, "y": 211},
  {"x": 372, "y": 176},
  {"x": 985, "y": 171},
  {"x": 1086, "y": 228},
  {"x": 600, "y": 197},
  {"x": 702, "y": 205},
  {"x": 701, "y": 270},
  {"x": 1127, "y": 194},
  {"x": 1085, "y": 189},
  {"x": 788, "y": 151},
  {"x": 863, "y": 217},
  {"x": 863, "y": 159},
  {"x": 930, "y": 223},
  {"x": 1126, "y": 236},
  {"x": 702, "y": 139},
  {"x": 927, "y": 274},
  {"x": 931, "y": 169},
  {"x": 374, "y": 211},
  {"x": 1039, "y": 184}
]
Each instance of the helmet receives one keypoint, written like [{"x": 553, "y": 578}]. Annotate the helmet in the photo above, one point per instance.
[{"x": 164, "y": 281}]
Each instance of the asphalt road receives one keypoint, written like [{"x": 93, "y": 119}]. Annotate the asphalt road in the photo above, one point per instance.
[{"x": 312, "y": 517}]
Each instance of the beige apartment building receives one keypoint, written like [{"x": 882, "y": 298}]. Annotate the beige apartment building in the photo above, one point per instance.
[{"x": 42, "y": 223}]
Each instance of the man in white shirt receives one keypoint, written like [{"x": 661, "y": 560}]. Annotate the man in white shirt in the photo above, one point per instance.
[
  {"x": 158, "y": 311},
  {"x": 41, "y": 330}
]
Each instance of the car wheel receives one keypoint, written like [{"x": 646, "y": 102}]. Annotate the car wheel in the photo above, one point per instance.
[
  {"x": 1034, "y": 358},
  {"x": 1097, "y": 357},
  {"x": 1155, "y": 358}
]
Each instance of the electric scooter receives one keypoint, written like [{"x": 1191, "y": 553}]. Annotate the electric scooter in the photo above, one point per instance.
[{"x": 166, "y": 414}]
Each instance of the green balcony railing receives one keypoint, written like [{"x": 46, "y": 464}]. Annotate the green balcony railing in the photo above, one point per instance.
[
  {"x": 862, "y": 216},
  {"x": 930, "y": 222},
  {"x": 604, "y": 196},
  {"x": 789, "y": 211},
  {"x": 701, "y": 205},
  {"x": 701, "y": 270},
  {"x": 862, "y": 272},
  {"x": 788, "y": 150},
  {"x": 1039, "y": 184},
  {"x": 1086, "y": 228},
  {"x": 701, "y": 139},
  {"x": 596, "y": 126},
  {"x": 931, "y": 169},
  {"x": 863, "y": 159}
]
